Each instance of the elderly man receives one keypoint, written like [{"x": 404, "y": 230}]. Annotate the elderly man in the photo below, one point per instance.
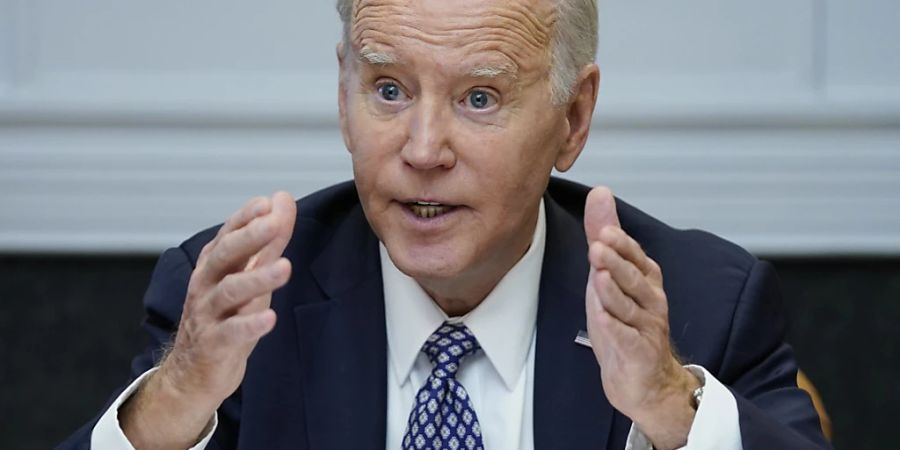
[{"x": 454, "y": 295}]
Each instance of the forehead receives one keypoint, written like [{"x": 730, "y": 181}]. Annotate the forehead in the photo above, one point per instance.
[{"x": 515, "y": 32}]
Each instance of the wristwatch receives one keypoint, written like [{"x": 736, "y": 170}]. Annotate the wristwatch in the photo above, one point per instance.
[{"x": 697, "y": 396}]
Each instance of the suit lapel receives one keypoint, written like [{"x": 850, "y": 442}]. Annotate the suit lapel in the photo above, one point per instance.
[
  {"x": 570, "y": 409},
  {"x": 340, "y": 367},
  {"x": 343, "y": 344}
]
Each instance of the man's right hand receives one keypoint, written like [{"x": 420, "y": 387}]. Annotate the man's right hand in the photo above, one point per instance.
[{"x": 225, "y": 314}]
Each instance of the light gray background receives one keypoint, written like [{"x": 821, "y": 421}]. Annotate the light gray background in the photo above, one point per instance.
[{"x": 126, "y": 126}]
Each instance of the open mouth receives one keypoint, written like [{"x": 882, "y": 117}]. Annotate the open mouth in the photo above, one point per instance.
[{"x": 428, "y": 210}]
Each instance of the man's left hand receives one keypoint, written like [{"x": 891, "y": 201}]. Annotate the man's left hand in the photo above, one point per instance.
[{"x": 628, "y": 324}]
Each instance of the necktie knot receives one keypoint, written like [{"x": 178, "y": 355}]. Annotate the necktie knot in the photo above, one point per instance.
[
  {"x": 443, "y": 417},
  {"x": 448, "y": 346}
]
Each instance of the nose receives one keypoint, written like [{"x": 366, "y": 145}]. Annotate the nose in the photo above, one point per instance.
[{"x": 428, "y": 146}]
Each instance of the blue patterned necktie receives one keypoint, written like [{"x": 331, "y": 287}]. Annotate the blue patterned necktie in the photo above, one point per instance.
[{"x": 443, "y": 416}]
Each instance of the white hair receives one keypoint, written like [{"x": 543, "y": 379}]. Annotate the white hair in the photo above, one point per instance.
[{"x": 574, "y": 43}]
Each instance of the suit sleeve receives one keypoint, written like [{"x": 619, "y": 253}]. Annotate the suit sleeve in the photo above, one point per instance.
[
  {"x": 761, "y": 371},
  {"x": 163, "y": 302}
]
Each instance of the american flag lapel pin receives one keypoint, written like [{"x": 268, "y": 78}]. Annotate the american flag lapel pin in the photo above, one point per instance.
[{"x": 582, "y": 339}]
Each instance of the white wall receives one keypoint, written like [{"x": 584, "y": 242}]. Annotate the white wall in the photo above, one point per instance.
[{"x": 126, "y": 126}]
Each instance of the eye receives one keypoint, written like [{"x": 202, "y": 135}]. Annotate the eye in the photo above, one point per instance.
[
  {"x": 390, "y": 91},
  {"x": 480, "y": 99}
]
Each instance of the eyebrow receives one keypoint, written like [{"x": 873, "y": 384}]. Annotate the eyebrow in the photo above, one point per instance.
[
  {"x": 374, "y": 58},
  {"x": 494, "y": 71}
]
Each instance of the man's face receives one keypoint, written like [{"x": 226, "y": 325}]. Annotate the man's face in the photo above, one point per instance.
[{"x": 446, "y": 110}]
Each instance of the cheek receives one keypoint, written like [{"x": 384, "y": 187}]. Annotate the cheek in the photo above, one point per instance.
[
  {"x": 374, "y": 147},
  {"x": 374, "y": 141},
  {"x": 507, "y": 161},
  {"x": 501, "y": 183},
  {"x": 511, "y": 171}
]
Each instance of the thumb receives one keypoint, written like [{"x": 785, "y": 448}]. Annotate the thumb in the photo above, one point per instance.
[{"x": 599, "y": 212}]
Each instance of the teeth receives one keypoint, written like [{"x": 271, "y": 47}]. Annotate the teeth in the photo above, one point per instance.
[
  {"x": 428, "y": 204},
  {"x": 428, "y": 211}
]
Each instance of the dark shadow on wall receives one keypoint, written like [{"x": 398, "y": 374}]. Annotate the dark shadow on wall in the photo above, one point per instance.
[
  {"x": 845, "y": 328},
  {"x": 69, "y": 326}
]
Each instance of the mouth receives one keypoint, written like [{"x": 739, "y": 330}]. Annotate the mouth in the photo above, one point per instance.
[{"x": 428, "y": 210}]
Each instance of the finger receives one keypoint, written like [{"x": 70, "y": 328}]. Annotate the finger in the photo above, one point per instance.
[
  {"x": 616, "y": 331},
  {"x": 594, "y": 307},
  {"x": 284, "y": 209},
  {"x": 255, "y": 207},
  {"x": 626, "y": 275},
  {"x": 655, "y": 273},
  {"x": 615, "y": 302},
  {"x": 238, "y": 289},
  {"x": 608, "y": 332},
  {"x": 599, "y": 212},
  {"x": 235, "y": 248},
  {"x": 246, "y": 328},
  {"x": 627, "y": 247},
  {"x": 256, "y": 304}
]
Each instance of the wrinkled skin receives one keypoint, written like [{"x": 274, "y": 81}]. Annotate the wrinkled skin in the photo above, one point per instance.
[{"x": 492, "y": 160}]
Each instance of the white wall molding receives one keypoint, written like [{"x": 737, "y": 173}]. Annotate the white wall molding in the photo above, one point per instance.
[
  {"x": 783, "y": 191},
  {"x": 127, "y": 127}
]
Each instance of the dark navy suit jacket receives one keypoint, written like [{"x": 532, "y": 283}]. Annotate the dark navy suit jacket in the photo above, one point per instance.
[{"x": 318, "y": 381}]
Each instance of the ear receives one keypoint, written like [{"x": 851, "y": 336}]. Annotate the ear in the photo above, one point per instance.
[
  {"x": 579, "y": 112},
  {"x": 344, "y": 74}
]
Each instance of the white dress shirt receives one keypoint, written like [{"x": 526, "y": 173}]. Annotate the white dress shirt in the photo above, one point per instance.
[{"x": 499, "y": 379}]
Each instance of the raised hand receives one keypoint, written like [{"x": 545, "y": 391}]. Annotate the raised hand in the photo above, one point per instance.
[
  {"x": 628, "y": 324},
  {"x": 226, "y": 312}
]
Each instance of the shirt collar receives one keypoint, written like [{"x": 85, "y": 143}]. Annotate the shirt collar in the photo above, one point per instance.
[{"x": 503, "y": 323}]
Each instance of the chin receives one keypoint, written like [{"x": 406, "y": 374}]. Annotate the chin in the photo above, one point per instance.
[{"x": 428, "y": 262}]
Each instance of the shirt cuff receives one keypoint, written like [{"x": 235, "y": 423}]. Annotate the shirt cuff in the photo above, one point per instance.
[
  {"x": 715, "y": 426},
  {"x": 108, "y": 435}
]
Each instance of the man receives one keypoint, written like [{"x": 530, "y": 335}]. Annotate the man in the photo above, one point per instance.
[{"x": 435, "y": 301}]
